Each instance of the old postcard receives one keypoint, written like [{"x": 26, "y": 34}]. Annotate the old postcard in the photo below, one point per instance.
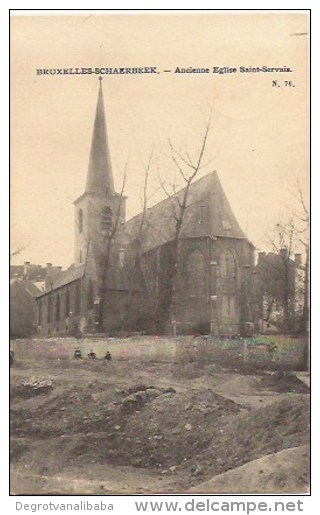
[{"x": 159, "y": 277}]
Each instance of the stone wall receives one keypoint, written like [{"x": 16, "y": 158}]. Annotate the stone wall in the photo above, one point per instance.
[{"x": 261, "y": 352}]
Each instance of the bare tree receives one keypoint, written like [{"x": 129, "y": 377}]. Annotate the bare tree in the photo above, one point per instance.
[
  {"x": 188, "y": 169},
  {"x": 277, "y": 277},
  {"x": 18, "y": 251},
  {"x": 301, "y": 215},
  {"x": 19, "y": 247},
  {"x": 134, "y": 268},
  {"x": 280, "y": 279},
  {"x": 106, "y": 240}
]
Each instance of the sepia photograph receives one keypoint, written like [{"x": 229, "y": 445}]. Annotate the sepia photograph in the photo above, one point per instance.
[{"x": 159, "y": 253}]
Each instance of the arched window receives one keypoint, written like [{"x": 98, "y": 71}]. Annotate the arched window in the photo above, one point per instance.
[
  {"x": 77, "y": 301},
  {"x": 228, "y": 272},
  {"x": 58, "y": 306},
  {"x": 202, "y": 214},
  {"x": 106, "y": 219},
  {"x": 49, "y": 307},
  {"x": 40, "y": 312},
  {"x": 80, "y": 220},
  {"x": 67, "y": 310},
  {"x": 121, "y": 258},
  {"x": 197, "y": 274},
  {"x": 90, "y": 295}
]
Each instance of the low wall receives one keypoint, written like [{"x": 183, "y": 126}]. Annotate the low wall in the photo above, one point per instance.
[
  {"x": 144, "y": 348},
  {"x": 260, "y": 352}
]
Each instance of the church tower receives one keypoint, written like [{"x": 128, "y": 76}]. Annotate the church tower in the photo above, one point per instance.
[{"x": 97, "y": 208}]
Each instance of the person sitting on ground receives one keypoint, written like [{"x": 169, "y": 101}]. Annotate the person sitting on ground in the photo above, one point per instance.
[
  {"x": 77, "y": 354},
  {"x": 92, "y": 355},
  {"x": 108, "y": 356}
]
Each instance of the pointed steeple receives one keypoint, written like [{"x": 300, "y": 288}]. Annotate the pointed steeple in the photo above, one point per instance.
[{"x": 100, "y": 178}]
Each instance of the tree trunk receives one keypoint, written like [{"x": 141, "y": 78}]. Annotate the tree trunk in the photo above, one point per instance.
[{"x": 305, "y": 310}]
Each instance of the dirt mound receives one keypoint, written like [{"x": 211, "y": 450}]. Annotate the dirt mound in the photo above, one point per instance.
[
  {"x": 87, "y": 409},
  {"x": 175, "y": 428},
  {"x": 171, "y": 429},
  {"x": 196, "y": 431},
  {"x": 281, "y": 425},
  {"x": 18, "y": 446},
  {"x": 283, "y": 382},
  {"x": 28, "y": 389},
  {"x": 178, "y": 424},
  {"x": 190, "y": 428},
  {"x": 284, "y": 472}
]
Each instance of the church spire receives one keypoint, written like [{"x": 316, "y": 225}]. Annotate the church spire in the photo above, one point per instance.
[{"x": 100, "y": 178}]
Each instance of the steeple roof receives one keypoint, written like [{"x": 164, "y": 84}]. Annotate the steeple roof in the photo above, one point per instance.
[{"x": 100, "y": 178}]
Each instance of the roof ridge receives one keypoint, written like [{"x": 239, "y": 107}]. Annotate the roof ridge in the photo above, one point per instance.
[
  {"x": 215, "y": 217},
  {"x": 213, "y": 172}
]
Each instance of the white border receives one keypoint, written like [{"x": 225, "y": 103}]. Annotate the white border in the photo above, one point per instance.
[{"x": 125, "y": 504}]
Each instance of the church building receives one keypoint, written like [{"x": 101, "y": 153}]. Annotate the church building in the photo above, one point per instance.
[{"x": 121, "y": 278}]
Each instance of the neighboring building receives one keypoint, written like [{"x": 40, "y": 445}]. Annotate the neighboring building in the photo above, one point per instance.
[
  {"x": 23, "y": 295},
  {"x": 40, "y": 276},
  {"x": 277, "y": 291},
  {"x": 126, "y": 284}
]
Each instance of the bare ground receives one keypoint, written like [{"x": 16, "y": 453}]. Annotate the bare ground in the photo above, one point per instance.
[{"x": 132, "y": 427}]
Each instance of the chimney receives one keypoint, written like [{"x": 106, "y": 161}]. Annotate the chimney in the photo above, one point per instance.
[
  {"x": 298, "y": 260},
  {"x": 284, "y": 253},
  {"x": 48, "y": 277},
  {"x": 26, "y": 268},
  {"x": 59, "y": 268}
]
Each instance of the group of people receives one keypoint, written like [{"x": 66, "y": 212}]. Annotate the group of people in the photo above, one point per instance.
[{"x": 91, "y": 355}]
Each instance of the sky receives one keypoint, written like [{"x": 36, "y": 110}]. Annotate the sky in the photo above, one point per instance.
[{"x": 258, "y": 141}]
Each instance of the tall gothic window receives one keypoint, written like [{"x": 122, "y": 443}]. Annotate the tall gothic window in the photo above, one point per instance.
[
  {"x": 40, "y": 312},
  {"x": 196, "y": 274},
  {"x": 121, "y": 258},
  {"x": 90, "y": 295},
  {"x": 202, "y": 213},
  {"x": 58, "y": 306},
  {"x": 77, "y": 301},
  {"x": 67, "y": 311},
  {"x": 106, "y": 219},
  {"x": 80, "y": 220},
  {"x": 228, "y": 272},
  {"x": 49, "y": 307}
]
